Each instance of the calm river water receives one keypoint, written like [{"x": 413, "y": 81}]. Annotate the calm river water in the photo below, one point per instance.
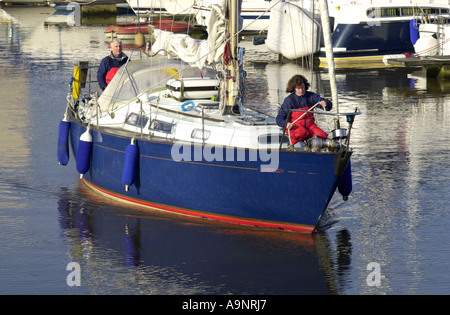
[{"x": 391, "y": 237}]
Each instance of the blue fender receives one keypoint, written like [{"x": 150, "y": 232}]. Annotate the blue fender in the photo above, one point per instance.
[
  {"x": 63, "y": 142},
  {"x": 345, "y": 186},
  {"x": 84, "y": 153},
  {"x": 131, "y": 165}
]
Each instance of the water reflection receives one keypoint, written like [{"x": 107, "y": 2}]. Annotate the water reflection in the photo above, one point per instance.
[
  {"x": 157, "y": 253},
  {"x": 14, "y": 119},
  {"x": 397, "y": 171},
  {"x": 32, "y": 38}
]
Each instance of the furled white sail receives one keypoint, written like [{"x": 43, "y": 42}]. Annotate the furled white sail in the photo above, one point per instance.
[
  {"x": 195, "y": 51},
  {"x": 292, "y": 31}
]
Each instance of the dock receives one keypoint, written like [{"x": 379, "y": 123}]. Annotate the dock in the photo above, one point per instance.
[{"x": 434, "y": 66}]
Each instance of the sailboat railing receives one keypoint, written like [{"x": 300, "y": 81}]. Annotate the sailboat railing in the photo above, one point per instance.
[
  {"x": 125, "y": 69},
  {"x": 349, "y": 117}
]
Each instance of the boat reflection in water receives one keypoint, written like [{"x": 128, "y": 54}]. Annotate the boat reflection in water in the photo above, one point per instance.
[{"x": 128, "y": 251}]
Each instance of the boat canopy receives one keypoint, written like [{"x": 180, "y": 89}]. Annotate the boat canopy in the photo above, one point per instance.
[{"x": 144, "y": 75}]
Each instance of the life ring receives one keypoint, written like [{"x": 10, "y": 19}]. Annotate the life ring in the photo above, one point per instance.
[{"x": 187, "y": 106}]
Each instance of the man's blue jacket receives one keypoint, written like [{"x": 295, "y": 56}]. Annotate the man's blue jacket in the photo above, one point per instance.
[{"x": 106, "y": 65}]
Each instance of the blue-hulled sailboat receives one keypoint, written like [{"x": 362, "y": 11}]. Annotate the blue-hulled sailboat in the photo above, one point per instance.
[{"x": 166, "y": 135}]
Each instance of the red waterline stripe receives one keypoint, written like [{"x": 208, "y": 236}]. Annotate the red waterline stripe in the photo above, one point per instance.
[{"x": 263, "y": 224}]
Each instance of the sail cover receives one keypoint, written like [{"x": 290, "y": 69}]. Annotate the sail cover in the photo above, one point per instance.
[{"x": 194, "y": 51}]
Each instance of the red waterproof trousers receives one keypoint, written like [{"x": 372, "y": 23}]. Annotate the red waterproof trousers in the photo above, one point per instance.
[{"x": 305, "y": 127}]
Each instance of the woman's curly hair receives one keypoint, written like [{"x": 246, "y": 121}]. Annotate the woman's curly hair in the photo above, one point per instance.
[{"x": 295, "y": 81}]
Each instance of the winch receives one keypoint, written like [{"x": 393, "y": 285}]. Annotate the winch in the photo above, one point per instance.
[
  {"x": 339, "y": 134},
  {"x": 316, "y": 144}
]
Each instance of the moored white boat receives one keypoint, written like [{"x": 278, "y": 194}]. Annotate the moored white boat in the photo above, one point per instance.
[
  {"x": 255, "y": 15},
  {"x": 162, "y": 8},
  {"x": 128, "y": 31},
  {"x": 431, "y": 41},
  {"x": 364, "y": 31}
]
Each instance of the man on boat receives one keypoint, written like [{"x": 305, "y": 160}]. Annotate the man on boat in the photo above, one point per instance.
[
  {"x": 301, "y": 125},
  {"x": 111, "y": 63}
]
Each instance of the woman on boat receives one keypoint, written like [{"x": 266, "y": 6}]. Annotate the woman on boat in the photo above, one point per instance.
[
  {"x": 111, "y": 63},
  {"x": 301, "y": 125}
]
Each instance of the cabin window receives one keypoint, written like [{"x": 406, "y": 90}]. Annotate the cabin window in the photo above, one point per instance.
[
  {"x": 161, "y": 126},
  {"x": 200, "y": 134},
  {"x": 394, "y": 12},
  {"x": 134, "y": 119},
  {"x": 207, "y": 106},
  {"x": 272, "y": 138}
]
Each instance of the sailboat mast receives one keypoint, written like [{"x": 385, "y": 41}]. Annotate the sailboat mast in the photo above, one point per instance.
[
  {"x": 231, "y": 67},
  {"x": 234, "y": 26},
  {"x": 329, "y": 51}
]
